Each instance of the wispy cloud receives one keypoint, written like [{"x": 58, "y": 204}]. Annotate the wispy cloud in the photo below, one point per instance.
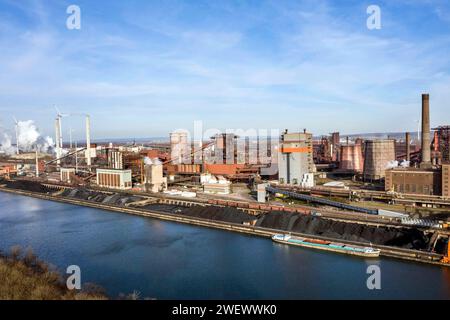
[{"x": 251, "y": 64}]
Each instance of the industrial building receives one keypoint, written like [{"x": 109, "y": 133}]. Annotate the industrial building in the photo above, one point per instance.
[
  {"x": 114, "y": 178},
  {"x": 430, "y": 178},
  {"x": 414, "y": 181},
  {"x": 215, "y": 184},
  {"x": 154, "y": 180},
  {"x": 295, "y": 161},
  {"x": 327, "y": 149}
]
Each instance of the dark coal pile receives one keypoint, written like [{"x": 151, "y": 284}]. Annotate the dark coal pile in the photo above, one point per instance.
[
  {"x": 162, "y": 207},
  {"x": 119, "y": 199},
  {"x": 277, "y": 220},
  {"x": 32, "y": 186},
  {"x": 399, "y": 237},
  {"x": 226, "y": 214}
]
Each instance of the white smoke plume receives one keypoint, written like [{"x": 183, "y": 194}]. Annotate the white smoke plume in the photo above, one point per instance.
[
  {"x": 392, "y": 164},
  {"x": 29, "y": 139},
  {"x": 6, "y": 145},
  {"x": 148, "y": 161},
  {"x": 154, "y": 161}
]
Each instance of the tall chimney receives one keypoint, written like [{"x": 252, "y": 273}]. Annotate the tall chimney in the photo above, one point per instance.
[
  {"x": 408, "y": 146},
  {"x": 37, "y": 163},
  {"x": 88, "y": 142},
  {"x": 426, "y": 140},
  {"x": 58, "y": 140}
]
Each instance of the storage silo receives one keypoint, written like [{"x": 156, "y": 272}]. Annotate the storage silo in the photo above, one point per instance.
[{"x": 378, "y": 155}]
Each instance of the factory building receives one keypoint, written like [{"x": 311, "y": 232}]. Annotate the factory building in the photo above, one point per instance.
[
  {"x": 215, "y": 184},
  {"x": 295, "y": 159},
  {"x": 429, "y": 178},
  {"x": 414, "y": 181},
  {"x": 154, "y": 180},
  {"x": 66, "y": 174},
  {"x": 441, "y": 144},
  {"x": 114, "y": 178},
  {"x": 378, "y": 155}
]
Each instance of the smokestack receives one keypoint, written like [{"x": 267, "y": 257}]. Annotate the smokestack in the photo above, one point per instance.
[
  {"x": 37, "y": 163},
  {"x": 408, "y": 146},
  {"x": 58, "y": 135},
  {"x": 88, "y": 141},
  {"x": 426, "y": 140}
]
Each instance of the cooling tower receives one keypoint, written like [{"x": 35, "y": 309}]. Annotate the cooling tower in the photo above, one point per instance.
[
  {"x": 351, "y": 158},
  {"x": 378, "y": 154}
]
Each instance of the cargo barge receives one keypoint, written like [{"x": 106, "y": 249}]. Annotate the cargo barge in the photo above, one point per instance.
[{"x": 367, "y": 252}]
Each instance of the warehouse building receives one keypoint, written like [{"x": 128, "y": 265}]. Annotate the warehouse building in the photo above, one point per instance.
[{"x": 114, "y": 178}]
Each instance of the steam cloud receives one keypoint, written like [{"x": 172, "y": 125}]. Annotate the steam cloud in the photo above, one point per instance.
[
  {"x": 154, "y": 161},
  {"x": 29, "y": 139}
]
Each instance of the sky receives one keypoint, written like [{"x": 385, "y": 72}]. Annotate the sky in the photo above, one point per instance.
[{"x": 143, "y": 68}]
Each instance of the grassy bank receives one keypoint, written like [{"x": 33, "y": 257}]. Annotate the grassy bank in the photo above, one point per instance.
[{"x": 24, "y": 277}]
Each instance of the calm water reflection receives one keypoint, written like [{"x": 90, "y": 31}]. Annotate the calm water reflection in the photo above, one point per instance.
[{"x": 167, "y": 260}]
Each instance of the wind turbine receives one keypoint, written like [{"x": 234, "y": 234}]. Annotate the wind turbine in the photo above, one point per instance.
[
  {"x": 88, "y": 132},
  {"x": 418, "y": 131},
  {"x": 16, "y": 129},
  {"x": 59, "y": 116},
  {"x": 88, "y": 136}
]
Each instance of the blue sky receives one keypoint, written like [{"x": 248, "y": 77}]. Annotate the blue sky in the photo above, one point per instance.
[{"x": 145, "y": 68}]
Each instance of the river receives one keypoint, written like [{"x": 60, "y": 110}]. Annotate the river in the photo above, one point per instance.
[{"x": 167, "y": 260}]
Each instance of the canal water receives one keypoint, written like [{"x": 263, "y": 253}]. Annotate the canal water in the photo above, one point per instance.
[{"x": 166, "y": 260}]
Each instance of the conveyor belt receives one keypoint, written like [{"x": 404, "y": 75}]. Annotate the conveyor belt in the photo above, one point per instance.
[{"x": 321, "y": 201}]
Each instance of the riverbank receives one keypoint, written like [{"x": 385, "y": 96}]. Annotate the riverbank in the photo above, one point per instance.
[
  {"x": 259, "y": 229},
  {"x": 25, "y": 277}
]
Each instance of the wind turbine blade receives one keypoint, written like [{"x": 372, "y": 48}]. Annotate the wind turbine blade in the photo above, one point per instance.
[{"x": 57, "y": 111}]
